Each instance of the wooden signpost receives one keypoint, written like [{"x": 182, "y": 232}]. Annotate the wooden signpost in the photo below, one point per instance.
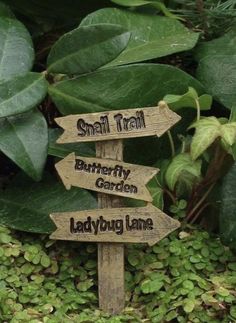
[{"x": 113, "y": 224}]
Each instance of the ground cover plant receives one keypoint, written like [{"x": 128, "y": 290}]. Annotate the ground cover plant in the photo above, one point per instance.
[{"x": 66, "y": 57}]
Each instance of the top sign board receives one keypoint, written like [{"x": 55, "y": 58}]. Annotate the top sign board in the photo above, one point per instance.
[{"x": 117, "y": 124}]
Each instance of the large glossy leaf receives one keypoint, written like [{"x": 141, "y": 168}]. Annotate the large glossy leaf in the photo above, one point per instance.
[
  {"x": 21, "y": 93},
  {"x": 225, "y": 45},
  {"x": 218, "y": 74},
  {"x": 121, "y": 87},
  {"x": 228, "y": 208},
  {"x": 86, "y": 149},
  {"x": 85, "y": 49},
  {"x": 16, "y": 49},
  {"x": 151, "y": 36},
  {"x": 24, "y": 139},
  {"x": 26, "y": 206}
]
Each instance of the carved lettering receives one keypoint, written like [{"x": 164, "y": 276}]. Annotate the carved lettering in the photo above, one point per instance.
[
  {"x": 118, "y": 226},
  {"x": 97, "y": 128}
]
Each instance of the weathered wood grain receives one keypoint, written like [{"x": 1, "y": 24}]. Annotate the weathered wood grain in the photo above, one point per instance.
[
  {"x": 117, "y": 124},
  {"x": 111, "y": 271},
  {"x": 106, "y": 176},
  {"x": 125, "y": 225}
]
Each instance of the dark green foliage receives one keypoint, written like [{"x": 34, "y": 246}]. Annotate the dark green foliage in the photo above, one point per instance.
[
  {"x": 189, "y": 276},
  {"x": 84, "y": 57}
]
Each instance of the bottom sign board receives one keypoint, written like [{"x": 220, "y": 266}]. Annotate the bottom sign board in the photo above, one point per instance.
[{"x": 135, "y": 225}]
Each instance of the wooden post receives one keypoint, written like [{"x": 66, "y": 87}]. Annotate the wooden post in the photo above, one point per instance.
[{"x": 110, "y": 255}]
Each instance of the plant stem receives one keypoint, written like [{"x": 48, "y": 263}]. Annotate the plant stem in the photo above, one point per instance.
[
  {"x": 172, "y": 197},
  {"x": 200, "y": 201},
  {"x": 198, "y": 109},
  {"x": 172, "y": 145}
]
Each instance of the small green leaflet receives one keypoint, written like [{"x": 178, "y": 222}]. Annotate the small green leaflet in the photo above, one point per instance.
[{"x": 188, "y": 100}]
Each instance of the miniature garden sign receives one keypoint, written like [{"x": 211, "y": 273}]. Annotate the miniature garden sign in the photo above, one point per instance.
[{"x": 112, "y": 225}]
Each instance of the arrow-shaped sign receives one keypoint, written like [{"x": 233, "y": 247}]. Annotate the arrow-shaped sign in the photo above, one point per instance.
[
  {"x": 135, "y": 225},
  {"x": 118, "y": 124},
  {"x": 106, "y": 176}
]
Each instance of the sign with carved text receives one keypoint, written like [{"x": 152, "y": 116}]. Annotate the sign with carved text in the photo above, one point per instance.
[
  {"x": 125, "y": 225},
  {"x": 117, "y": 124},
  {"x": 106, "y": 176}
]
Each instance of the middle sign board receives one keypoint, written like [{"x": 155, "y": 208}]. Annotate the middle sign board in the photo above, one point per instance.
[{"x": 106, "y": 176}]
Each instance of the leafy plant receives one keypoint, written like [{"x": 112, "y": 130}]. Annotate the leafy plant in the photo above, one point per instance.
[{"x": 187, "y": 276}]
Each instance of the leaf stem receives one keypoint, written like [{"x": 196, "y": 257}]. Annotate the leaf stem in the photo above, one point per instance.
[
  {"x": 198, "y": 109},
  {"x": 200, "y": 201},
  {"x": 172, "y": 145}
]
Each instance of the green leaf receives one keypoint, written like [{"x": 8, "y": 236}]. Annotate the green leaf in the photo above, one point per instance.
[
  {"x": 26, "y": 205},
  {"x": 24, "y": 139},
  {"x": 151, "y": 286},
  {"x": 62, "y": 150},
  {"x": 228, "y": 133},
  {"x": 45, "y": 261},
  {"x": 189, "y": 306},
  {"x": 156, "y": 193},
  {"x": 118, "y": 87},
  {"x": 217, "y": 74},
  {"x": 160, "y": 6},
  {"x": 207, "y": 130},
  {"x": 151, "y": 36},
  {"x": 228, "y": 206},
  {"x": 188, "y": 100},
  {"x": 131, "y": 3},
  {"x": 224, "y": 45},
  {"x": 21, "y": 93},
  {"x": 16, "y": 49},
  {"x": 5, "y": 11},
  {"x": 180, "y": 164},
  {"x": 87, "y": 48}
]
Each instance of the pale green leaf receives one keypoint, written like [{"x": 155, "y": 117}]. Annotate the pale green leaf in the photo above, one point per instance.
[
  {"x": 24, "y": 139},
  {"x": 152, "y": 36},
  {"x": 206, "y": 132},
  {"x": 16, "y": 49},
  {"x": 228, "y": 133},
  {"x": 85, "y": 49},
  {"x": 21, "y": 93},
  {"x": 188, "y": 100},
  {"x": 189, "y": 305},
  {"x": 180, "y": 165}
]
